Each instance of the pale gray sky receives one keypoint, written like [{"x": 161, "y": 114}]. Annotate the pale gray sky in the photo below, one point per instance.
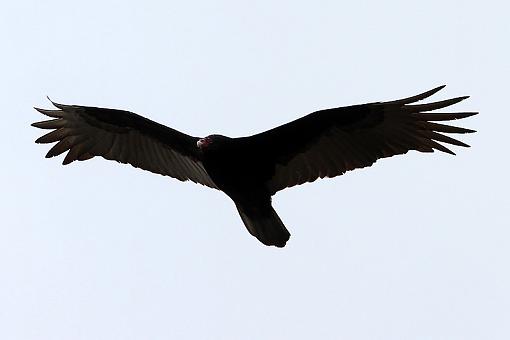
[{"x": 415, "y": 247}]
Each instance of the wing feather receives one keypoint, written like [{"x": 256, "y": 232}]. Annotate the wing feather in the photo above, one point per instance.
[
  {"x": 330, "y": 142},
  {"x": 85, "y": 132}
]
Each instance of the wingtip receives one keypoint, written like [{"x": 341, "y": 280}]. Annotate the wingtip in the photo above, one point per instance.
[
  {"x": 439, "y": 88},
  {"x": 51, "y": 101},
  {"x": 418, "y": 97},
  {"x": 435, "y": 90},
  {"x": 459, "y": 99},
  {"x": 38, "y": 109},
  {"x": 57, "y": 105},
  {"x": 40, "y": 140}
]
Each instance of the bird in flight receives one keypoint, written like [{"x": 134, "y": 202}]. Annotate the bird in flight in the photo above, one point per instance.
[{"x": 250, "y": 170}]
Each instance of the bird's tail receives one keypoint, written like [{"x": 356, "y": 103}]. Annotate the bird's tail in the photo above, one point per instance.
[{"x": 264, "y": 224}]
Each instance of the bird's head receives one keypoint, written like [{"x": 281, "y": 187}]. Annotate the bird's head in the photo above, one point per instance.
[
  {"x": 203, "y": 143},
  {"x": 211, "y": 142}
]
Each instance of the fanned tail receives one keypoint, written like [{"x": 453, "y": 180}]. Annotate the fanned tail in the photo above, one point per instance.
[{"x": 264, "y": 224}]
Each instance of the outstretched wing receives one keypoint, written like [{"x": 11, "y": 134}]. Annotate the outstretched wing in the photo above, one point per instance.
[
  {"x": 122, "y": 136},
  {"x": 330, "y": 142}
]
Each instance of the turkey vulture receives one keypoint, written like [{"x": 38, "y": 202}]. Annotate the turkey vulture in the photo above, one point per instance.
[{"x": 250, "y": 170}]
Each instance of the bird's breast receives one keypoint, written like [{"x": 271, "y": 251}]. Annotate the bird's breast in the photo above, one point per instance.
[{"x": 235, "y": 174}]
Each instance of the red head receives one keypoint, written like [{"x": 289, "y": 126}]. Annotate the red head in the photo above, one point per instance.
[{"x": 203, "y": 143}]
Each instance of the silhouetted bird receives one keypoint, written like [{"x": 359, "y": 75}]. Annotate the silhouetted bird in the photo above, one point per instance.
[{"x": 250, "y": 170}]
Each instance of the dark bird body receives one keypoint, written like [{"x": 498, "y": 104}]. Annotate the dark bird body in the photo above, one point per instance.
[{"x": 250, "y": 170}]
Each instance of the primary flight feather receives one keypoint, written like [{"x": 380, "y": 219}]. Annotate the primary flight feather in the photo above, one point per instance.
[{"x": 250, "y": 170}]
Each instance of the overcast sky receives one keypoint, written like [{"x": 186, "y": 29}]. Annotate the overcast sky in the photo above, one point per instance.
[{"x": 414, "y": 247}]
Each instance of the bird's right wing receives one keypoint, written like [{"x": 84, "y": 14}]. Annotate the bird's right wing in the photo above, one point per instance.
[{"x": 122, "y": 136}]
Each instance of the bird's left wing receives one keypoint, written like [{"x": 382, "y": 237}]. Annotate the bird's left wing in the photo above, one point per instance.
[
  {"x": 122, "y": 136},
  {"x": 328, "y": 143}
]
